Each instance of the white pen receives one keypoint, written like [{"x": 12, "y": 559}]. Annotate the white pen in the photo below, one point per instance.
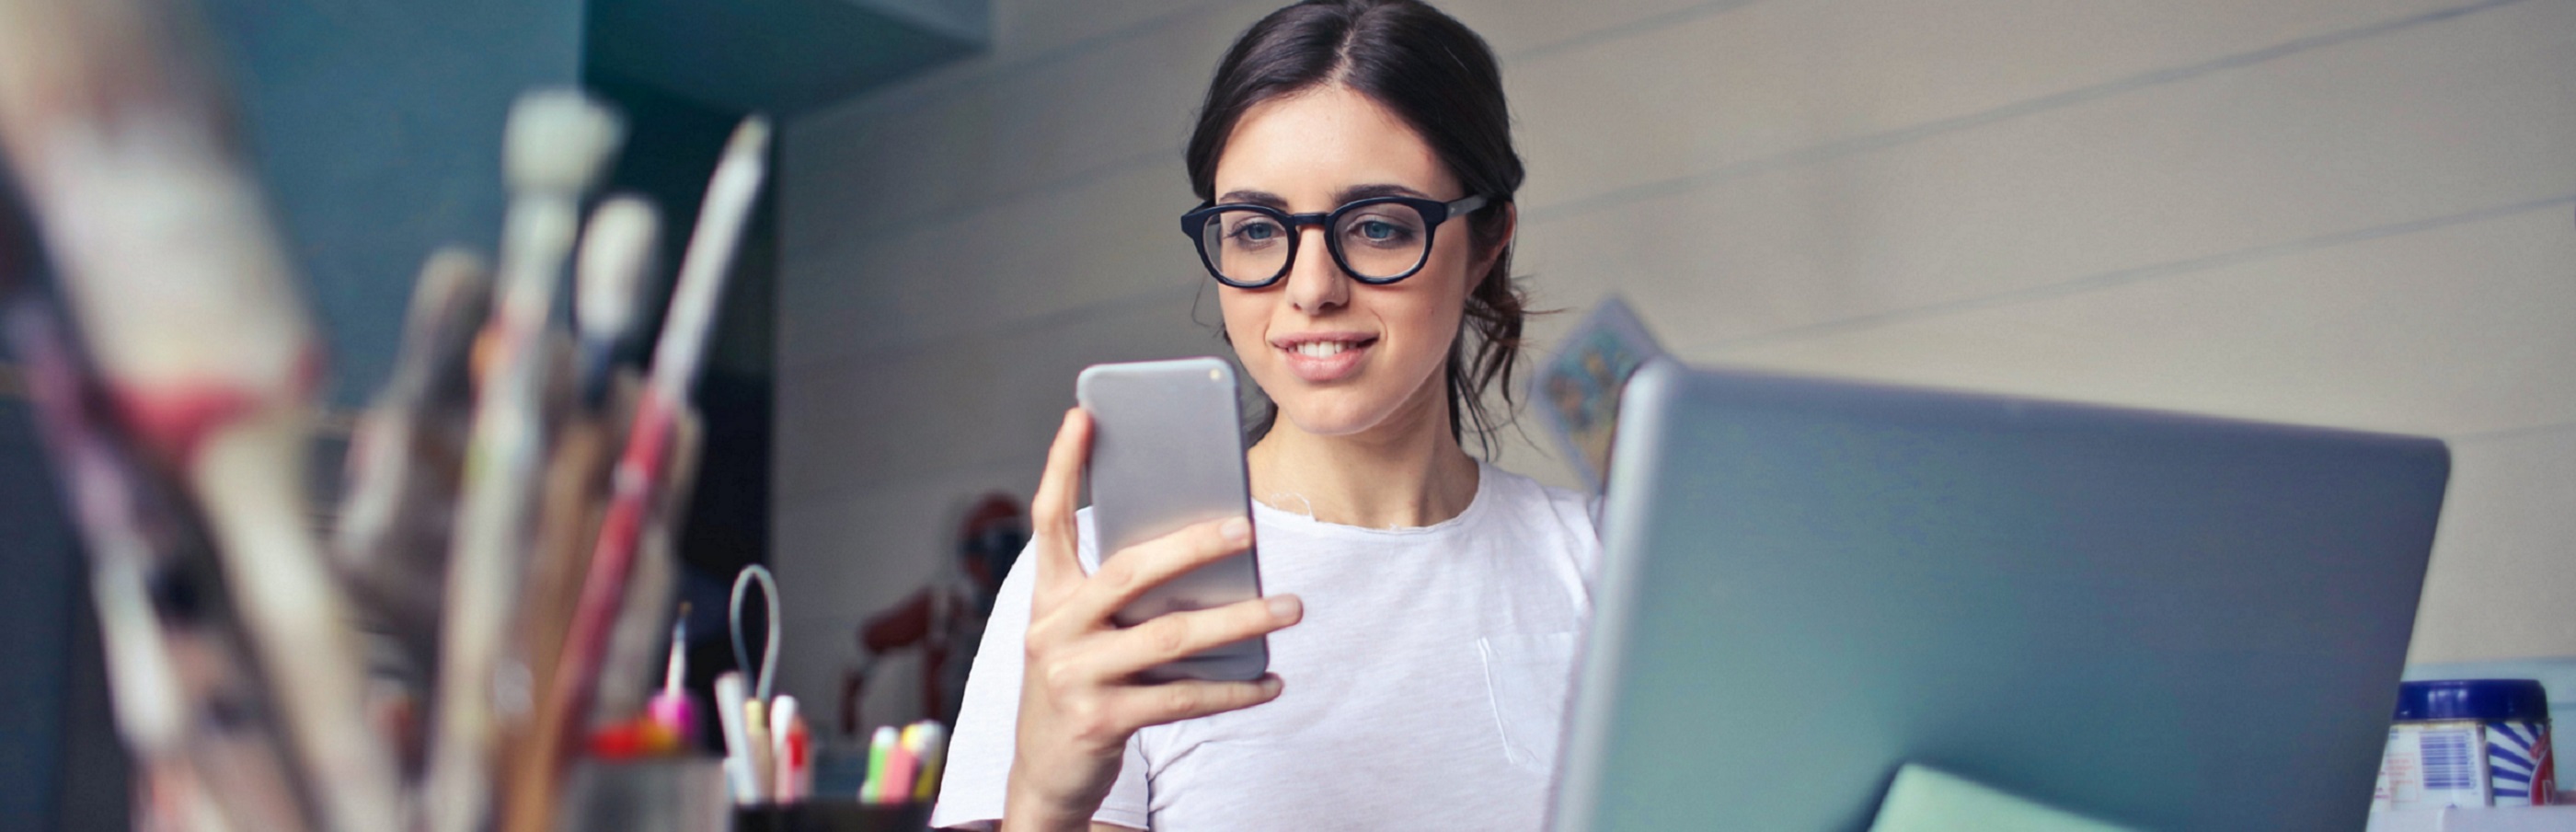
[
  {"x": 730, "y": 699},
  {"x": 784, "y": 755}
]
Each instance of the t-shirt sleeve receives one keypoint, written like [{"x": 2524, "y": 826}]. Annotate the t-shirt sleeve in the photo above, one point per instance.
[{"x": 972, "y": 790}]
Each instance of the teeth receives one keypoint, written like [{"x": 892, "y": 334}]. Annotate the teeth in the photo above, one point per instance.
[{"x": 1319, "y": 349}]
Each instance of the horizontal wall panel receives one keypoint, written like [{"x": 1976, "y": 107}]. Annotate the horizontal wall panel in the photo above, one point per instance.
[
  {"x": 1769, "y": 81},
  {"x": 2500, "y": 578},
  {"x": 2459, "y": 330},
  {"x": 1045, "y": 28},
  {"x": 965, "y": 402},
  {"x": 2435, "y": 121},
  {"x": 1516, "y": 28},
  {"x": 1126, "y": 100},
  {"x": 994, "y": 271}
]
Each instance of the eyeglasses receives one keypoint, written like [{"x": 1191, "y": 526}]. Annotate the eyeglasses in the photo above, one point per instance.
[{"x": 1377, "y": 241}]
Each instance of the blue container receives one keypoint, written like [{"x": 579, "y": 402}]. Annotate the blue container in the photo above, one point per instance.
[
  {"x": 2485, "y": 700},
  {"x": 2468, "y": 742}
]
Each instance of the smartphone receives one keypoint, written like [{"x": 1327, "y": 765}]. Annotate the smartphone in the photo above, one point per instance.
[{"x": 1167, "y": 452}]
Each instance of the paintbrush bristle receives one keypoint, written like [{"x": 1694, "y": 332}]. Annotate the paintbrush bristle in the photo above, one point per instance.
[
  {"x": 752, "y": 136},
  {"x": 558, "y": 140},
  {"x": 453, "y": 278},
  {"x": 616, "y": 251}
]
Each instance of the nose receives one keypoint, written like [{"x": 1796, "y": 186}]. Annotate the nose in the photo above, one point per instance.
[{"x": 1315, "y": 283}]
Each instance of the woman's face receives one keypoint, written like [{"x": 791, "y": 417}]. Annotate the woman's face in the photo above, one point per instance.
[{"x": 1341, "y": 357}]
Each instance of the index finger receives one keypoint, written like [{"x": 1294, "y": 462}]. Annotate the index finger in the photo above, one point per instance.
[{"x": 1051, "y": 512}]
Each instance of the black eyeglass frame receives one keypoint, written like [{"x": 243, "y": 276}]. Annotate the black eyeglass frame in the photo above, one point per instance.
[{"x": 1434, "y": 212}]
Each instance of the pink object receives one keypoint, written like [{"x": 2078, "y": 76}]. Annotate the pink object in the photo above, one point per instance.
[
  {"x": 674, "y": 710},
  {"x": 896, "y": 785}
]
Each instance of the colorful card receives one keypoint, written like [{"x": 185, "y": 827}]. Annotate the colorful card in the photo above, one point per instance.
[{"x": 1578, "y": 389}]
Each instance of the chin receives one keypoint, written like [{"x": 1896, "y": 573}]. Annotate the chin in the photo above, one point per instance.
[
  {"x": 1340, "y": 411},
  {"x": 1320, "y": 419}
]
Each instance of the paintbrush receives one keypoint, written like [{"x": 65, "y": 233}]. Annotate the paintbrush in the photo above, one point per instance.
[
  {"x": 576, "y": 476},
  {"x": 537, "y": 777},
  {"x": 182, "y": 293},
  {"x": 555, "y": 144},
  {"x": 617, "y": 251},
  {"x": 625, "y": 673},
  {"x": 186, "y": 701},
  {"x": 677, "y": 357},
  {"x": 407, "y": 457}
]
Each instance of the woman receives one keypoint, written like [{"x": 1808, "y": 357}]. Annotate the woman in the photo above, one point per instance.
[{"x": 1356, "y": 160}]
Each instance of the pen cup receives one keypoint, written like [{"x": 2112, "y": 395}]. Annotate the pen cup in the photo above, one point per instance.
[{"x": 834, "y": 816}]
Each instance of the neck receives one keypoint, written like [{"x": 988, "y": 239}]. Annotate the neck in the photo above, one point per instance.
[{"x": 1406, "y": 471}]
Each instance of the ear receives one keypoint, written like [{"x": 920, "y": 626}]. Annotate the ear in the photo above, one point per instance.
[{"x": 1483, "y": 265}]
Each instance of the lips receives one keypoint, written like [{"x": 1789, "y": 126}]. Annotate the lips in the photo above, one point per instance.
[{"x": 1318, "y": 357}]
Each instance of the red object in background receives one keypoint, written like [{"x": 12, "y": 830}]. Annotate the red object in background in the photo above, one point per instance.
[
  {"x": 634, "y": 739},
  {"x": 939, "y": 616},
  {"x": 617, "y": 742}
]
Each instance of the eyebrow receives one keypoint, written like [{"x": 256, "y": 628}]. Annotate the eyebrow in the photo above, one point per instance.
[
  {"x": 1359, "y": 192},
  {"x": 1344, "y": 197},
  {"x": 1263, "y": 198}
]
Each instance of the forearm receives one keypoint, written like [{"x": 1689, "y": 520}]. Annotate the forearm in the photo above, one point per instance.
[{"x": 1024, "y": 810}]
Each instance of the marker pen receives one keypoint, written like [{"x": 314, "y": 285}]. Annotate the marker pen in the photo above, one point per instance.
[
  {"x": 896, "y": 785},
  {"x": 934, "y": 757},
  {"x": 787, "y": 750},
  {"x": 880, "y": 747},
  {"x": 731, "y": 702},
  {"x": 671, "y": 707},
  {"x": 757, "y": 749}
]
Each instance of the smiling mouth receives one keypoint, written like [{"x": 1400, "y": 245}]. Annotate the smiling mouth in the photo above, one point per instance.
[
  {"x": 1326, "y": 349},
  {"x": 1330, "y": 358}
]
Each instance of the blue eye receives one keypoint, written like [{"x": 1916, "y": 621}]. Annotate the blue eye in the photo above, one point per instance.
[
  {"x": 1256, "y": 231},
  {"x": 1381, "y": 232}
]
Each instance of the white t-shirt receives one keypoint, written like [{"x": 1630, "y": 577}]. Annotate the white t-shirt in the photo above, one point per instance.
[{"x": 1424, "y": 688}]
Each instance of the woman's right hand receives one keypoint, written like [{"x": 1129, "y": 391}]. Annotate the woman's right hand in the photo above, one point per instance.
[{"x": 1079, "y": 701}]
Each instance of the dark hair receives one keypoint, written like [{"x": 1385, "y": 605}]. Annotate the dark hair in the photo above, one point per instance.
[{"x": 1441, "y": 79}]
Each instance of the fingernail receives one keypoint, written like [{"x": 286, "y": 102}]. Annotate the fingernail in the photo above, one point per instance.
[
  {"x": 1270, "y": 686},
  {"x": 1236, "y": 530},
  {"x": 1284, "y": 606}
]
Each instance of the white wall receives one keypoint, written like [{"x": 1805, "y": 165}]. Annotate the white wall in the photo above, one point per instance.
[{"x": 2346, "y": 212}]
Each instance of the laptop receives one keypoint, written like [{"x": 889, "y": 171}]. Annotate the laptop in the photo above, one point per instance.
[{"x": 2163, "y": 621}]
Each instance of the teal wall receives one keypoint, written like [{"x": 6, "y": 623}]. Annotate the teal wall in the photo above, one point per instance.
[{"x": 377, "y": 124}]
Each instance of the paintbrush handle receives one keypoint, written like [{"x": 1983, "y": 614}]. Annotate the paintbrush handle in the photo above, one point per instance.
[
  {"x": 731, "y": 191},
  {"x": 138, "y": 549},
  {"x": 184, "y": 296},
  {"x": 654, "y": 450},
  {"x": 603, "y": 591}
]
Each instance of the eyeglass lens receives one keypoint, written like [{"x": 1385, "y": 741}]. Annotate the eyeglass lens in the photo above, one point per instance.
[{"x": 1376, "y": 241}]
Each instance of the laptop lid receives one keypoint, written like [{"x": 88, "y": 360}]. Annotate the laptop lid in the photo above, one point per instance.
[{"x": 2166, "y": 621}]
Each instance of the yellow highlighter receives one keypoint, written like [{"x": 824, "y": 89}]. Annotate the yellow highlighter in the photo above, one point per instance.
[{"x": 933, "y": 753}]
